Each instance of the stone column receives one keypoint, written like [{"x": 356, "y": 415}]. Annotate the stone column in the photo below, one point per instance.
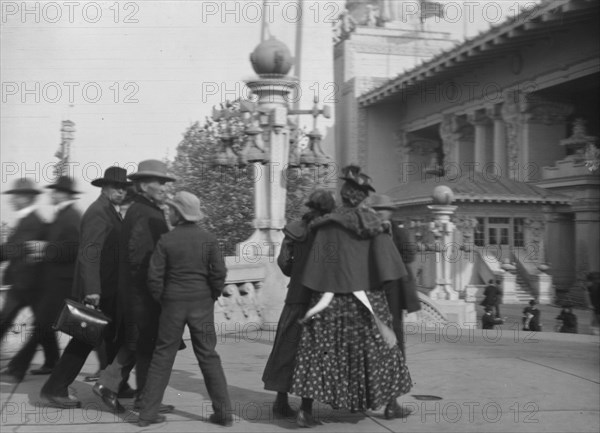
[
  {"x": 457, "y": 141},
  {"x": 499, "y": 153},
  {"x": 482, "y": 151}
]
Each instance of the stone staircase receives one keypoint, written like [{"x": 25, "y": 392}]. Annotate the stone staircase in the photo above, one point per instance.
[{"x": 522, "y": 291}]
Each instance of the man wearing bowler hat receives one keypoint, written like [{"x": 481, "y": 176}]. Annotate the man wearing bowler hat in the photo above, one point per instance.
[
  {"x": 21, "y": 274},
  {"x": 57, "y": 255},
  {"x": 95, "y": 278},
  {"x": 143, "y": 225}
]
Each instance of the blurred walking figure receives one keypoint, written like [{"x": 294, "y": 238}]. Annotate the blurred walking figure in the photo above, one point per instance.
[
  {"x": 531, "y": 317},
  {"x": 491, "y": 295},
  {"x": 57, "y": 255},
  {"x": 186, "y": 276},
  {"x": 593, "y": 290},
  {"x": 21, "y": 274},
  {"x": 292, "y": 259},
  {"x": 568, "y": 320},
  {"x": 95, "y": 280}
]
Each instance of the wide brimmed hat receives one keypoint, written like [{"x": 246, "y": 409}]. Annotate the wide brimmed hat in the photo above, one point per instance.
[
  {"x": 65, "y": 184},
  {"x": 113, "y": 175},
  {"x": 353, "y": 175},
  {"x": 152, "y": 168},
  {"x": 23, "y": 186},
  {"x": 321, "y": 200},
  {"x": 380, "y": 202},
  {"x": 188, "y": 206}
]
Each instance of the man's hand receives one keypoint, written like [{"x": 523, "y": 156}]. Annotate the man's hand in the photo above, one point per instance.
[{"x": 93, "y": 299}]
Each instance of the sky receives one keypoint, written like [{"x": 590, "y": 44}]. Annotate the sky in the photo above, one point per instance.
[{"x": 134, "y": 75}]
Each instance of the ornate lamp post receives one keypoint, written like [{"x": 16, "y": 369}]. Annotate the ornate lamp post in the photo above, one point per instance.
[{"x": 266, "y": 144}]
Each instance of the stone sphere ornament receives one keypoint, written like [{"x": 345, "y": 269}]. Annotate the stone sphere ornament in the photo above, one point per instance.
[
  {"x": 271, "y": 56},
  {"x": 442, "y": 195}
]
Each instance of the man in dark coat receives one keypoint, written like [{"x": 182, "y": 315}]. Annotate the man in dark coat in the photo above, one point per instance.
[
  {"x": 401, "y": 294},
  {"x": 139, "y": 313},
  {"x": 21, "y": 274},
  {"x": 291, "y": 260},
  {"x": 95, "y": 279},
  {"x": 57, "y": 255},
  {"x": 491, "y": 295}
]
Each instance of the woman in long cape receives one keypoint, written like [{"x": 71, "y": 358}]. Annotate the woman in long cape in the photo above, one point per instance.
[{"x": 347, "y": 356}]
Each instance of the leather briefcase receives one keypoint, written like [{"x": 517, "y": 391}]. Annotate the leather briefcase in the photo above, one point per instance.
[{"x": 85, "y": 323}]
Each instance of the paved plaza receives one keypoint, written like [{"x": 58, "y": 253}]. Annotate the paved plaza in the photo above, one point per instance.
[{"x": 465, "y": 380}]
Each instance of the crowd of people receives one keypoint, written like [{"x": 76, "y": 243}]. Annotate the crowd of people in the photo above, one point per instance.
[{"x": 143, "y": 260}]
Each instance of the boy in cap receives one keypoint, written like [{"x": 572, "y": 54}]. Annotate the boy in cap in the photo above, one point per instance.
[{"x": 186, "y": 276}]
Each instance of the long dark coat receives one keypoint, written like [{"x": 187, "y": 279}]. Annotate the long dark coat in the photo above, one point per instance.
[
  {"x": 293, "y": 256},
  {"x": 143, "y": 226},
  {"x": 58, "y": 263},
  {"x": 402, "y": 294},
  {"x": 97, "y": 267}
]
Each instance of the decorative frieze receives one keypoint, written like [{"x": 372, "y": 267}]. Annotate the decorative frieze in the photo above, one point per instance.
[{"x": 511, "y": 114}]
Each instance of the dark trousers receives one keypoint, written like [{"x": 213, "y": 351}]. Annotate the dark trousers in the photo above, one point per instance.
[
  {"x": 16, "y": 299},
  {"x": 199, "y": 317},
  {"x": 46, "y": 308},
  {"x": 145, "y": 312},
  {"x": 279, "y": 370},
  {"x": 68, "y": 367},
  {"x": 392, "y": 295}
]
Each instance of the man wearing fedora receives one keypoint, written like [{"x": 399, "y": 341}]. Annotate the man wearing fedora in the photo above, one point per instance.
[
  {"x": 138, "y": 313},
  {"x": 95, "y": 279},
  {"x": 21, "y": 274},
  {"x": 57, "y": 255},
  {"x": 186, "y": 276},
  {"x": 401, "y": 294}
]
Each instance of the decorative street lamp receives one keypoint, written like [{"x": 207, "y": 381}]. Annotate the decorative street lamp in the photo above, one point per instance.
[{"x": 260, "y": 134}]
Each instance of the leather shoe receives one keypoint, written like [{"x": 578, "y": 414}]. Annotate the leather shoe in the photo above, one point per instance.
[
  {"x": 147, "y": 422},
  {"x": 127, "y": 392},
  {"x": 61, "y": 402},
  {"x": 42, "y": 370},
  {"x": 108, "y": 397},
  {"x": 225, "y": 422},
  {"x": 394, "y": 410}
]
